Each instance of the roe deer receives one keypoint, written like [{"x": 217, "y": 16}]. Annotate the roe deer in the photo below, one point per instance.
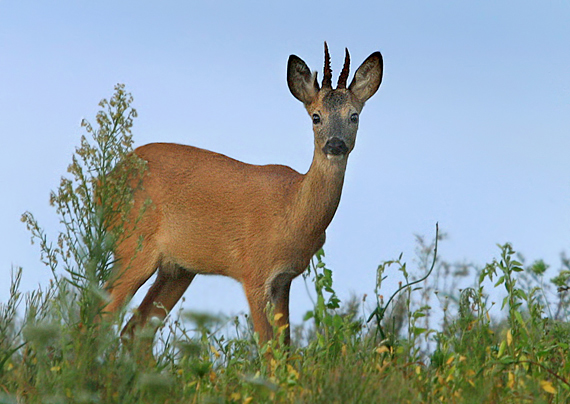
[{"x": 211, "y": 214}]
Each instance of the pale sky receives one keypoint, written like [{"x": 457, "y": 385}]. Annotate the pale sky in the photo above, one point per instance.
[{"x": 470, "y": 127}]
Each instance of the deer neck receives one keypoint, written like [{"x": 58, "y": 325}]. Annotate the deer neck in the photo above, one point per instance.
[{"x": 319, "y": 193}]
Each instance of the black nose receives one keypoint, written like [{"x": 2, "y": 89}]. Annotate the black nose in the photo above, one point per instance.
[{"x": 335, "y": 146}]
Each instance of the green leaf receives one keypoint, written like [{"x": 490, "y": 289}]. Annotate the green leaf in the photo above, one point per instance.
[
  {"x": 308, "y": 315},
  {"x": 500, "y": 281},
  {"x": 519, "y": 318},
  {"x": 502, "y": 348},
  {"x": 418, "y": 330},
  {"x": 337, "y": 322}
]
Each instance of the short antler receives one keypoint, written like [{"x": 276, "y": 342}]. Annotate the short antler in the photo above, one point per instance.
[
  {"x": 345, "y": 70},
  {"x": 327, "y": 75}
]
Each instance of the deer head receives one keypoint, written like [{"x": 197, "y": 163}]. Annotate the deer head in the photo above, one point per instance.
[{"x": 334, "y": 112}]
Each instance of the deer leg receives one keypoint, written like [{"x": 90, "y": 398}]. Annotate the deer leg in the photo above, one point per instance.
[
  {"x": 275, "y": 292},
  {"x": 129, "y": 276},
  {"x": 258, "y": 301},
  {"x": 169, "y": 286},
  {"x": 279, "y": 294}
]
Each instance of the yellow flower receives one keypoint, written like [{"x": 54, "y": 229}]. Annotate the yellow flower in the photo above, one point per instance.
[
  {"x": 382, "y": 349},
  {"x": 547, "y": 386},
  {"x": 215, "y": 351}
]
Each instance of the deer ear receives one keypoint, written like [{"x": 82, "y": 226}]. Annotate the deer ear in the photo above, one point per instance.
[
  {"x": 368, "y": 77},
  {"x": 302, "y": 83}
]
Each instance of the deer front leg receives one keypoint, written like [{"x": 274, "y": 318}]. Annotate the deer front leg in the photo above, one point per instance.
[
  {"x": 258, "y": 301},
  {"x": 273, "y": 293},
  {"x": 279, "y": 296}
]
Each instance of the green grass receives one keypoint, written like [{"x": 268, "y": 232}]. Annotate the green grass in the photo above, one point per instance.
[{"x": 430, "y": 342}]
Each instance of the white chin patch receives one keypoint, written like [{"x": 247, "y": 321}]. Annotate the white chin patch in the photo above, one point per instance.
[{"x": 335, "y": 158}]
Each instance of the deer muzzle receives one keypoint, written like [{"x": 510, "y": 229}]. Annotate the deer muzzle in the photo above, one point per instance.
[{"x": 335, "y": 146}]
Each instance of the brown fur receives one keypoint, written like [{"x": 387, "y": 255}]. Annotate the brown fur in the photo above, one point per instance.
[{"x": 211, "y": 214}]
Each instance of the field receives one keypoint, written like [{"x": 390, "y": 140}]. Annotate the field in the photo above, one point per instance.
[{"x": 429, "y": 342}]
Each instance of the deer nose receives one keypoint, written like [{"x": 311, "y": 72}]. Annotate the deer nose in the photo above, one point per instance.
[{"x": 335, "y": 146}]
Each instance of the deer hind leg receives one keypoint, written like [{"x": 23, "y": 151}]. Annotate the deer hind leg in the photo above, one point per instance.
[
  {"x": 169, "y": 286},
  {"x": 134, "y": 268},
  {"x": 274, "y": 292}
]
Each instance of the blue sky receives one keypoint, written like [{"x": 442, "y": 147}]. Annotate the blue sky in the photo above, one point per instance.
[{"x": 470, "y": 128}]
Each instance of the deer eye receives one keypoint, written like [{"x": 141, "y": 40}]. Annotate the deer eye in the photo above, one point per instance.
[
  {"x": 354, "y": 118},
  {"x": 316, "y": 119}
]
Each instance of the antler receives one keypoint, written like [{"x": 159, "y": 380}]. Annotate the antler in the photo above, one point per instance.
[
  {"x": 345, "y": 70},
  {"x": 327, "y": 75}
]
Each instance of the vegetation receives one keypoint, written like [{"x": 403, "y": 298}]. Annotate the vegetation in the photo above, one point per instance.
[{"x": 430, "y": 342}]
